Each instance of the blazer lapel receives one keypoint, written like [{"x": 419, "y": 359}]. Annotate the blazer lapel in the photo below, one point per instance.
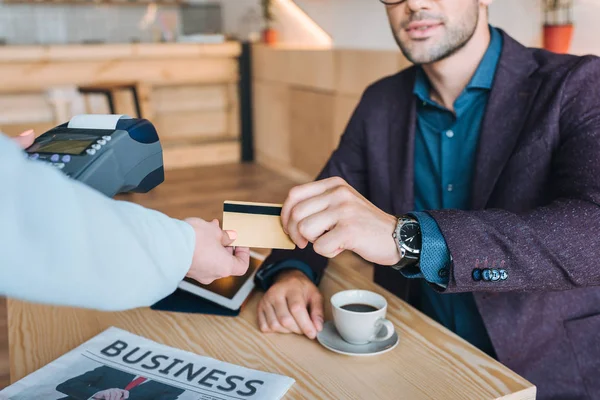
[
  {"x": 509, "y": 103},
  {"x": 402, "y": 143}
]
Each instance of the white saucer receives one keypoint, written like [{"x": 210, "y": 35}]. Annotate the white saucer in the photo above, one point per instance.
[{"x": 331, "y": 339}]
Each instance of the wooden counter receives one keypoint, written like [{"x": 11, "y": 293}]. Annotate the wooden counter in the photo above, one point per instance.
[
  {"x": 429, "y": 363},
  {"x": 189, "y": 91},
  {"x": 105, "y": 52},
  {"x": 25, "y": 68}
]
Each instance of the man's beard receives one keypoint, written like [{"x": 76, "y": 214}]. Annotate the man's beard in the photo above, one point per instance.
[{"x": 456, "y": 37}]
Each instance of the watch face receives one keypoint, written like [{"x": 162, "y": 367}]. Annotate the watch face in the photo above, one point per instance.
[{"x": 410, "y": 235}]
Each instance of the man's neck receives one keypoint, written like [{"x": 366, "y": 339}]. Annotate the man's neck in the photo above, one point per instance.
[{"x": 451, "y": 75}]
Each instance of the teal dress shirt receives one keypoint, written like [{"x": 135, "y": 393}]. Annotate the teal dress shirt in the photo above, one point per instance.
[{"x": 445, "y": 149}]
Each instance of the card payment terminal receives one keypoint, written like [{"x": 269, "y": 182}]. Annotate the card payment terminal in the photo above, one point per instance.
[{"x": 110, "y": 153}]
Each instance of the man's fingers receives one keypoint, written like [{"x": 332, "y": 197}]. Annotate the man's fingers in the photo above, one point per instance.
[
  {"x": 299, "y": 311},
  {"x": 272, "y": 321},
  {"x": 306, "y": 209},
  {"x": 314, "y": 226},
  {"x": 315, "y": 305},
  {"x": 125, "y": 394},
  {"x": 303, "y": 192},
  {"x": 332, "y": 243},
  {"x": 284, "y": 316},
  {"x": 262, "y": 320}
]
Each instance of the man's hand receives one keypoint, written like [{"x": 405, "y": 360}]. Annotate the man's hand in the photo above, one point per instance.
[
  {"x": 212, "y": 258},
  {"x": 292, "y": 304},
  {"x": 112, "y": 394},
  {"x": 25, "y": 139},
  {"x": 335, "y": 217}
]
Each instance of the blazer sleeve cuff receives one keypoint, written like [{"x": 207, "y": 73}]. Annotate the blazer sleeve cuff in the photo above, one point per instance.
[{"x": 266, "y": 275}]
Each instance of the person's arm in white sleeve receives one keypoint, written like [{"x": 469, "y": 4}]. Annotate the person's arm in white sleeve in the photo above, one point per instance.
[{"x": 63, "y": 243}]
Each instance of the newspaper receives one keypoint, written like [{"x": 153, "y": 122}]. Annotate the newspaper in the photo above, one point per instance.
[{"x": 118, "y": 365}]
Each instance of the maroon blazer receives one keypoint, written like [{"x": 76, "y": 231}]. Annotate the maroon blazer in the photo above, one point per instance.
[{"x": 535, "y": 209}]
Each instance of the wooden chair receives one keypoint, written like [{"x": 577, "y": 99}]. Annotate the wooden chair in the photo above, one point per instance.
[{"x": 116, "y": 97}]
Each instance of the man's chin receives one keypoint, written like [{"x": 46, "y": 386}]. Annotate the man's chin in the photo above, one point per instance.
[
  {"x": 425, "y": 52},
  {"x": 418, "y": 56}
]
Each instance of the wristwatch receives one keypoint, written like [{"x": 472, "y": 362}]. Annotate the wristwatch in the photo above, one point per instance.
[{"x": 407, "y": 237}]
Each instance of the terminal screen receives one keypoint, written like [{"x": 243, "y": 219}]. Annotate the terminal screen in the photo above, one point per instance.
[{"x": 74, "y": 147}]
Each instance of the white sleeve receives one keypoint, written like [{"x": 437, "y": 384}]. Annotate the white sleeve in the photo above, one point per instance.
[{"x": 64, "y": 243}]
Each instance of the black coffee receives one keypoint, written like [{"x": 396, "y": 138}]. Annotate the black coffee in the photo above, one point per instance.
[{"x": 359, "y": 307}]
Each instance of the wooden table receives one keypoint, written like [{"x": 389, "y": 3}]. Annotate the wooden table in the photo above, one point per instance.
[{"x": 429, "y": 363}]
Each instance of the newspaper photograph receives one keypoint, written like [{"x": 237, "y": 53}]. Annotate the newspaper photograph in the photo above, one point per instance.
[{"x": 117, "y": 365}]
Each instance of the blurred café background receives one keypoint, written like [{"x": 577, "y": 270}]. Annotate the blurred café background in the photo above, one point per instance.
[
  {"x": 270, "y": 81},
  {"x": 249, "y": 96}
]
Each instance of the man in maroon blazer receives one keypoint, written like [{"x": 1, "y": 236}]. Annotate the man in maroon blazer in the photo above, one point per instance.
[{"x": 484, "y": 158}]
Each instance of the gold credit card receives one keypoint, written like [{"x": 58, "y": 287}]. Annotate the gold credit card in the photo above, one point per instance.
[{"x": 257, "y": 225}]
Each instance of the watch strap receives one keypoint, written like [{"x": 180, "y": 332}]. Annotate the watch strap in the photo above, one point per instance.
[{"x": 409, "y": 260}]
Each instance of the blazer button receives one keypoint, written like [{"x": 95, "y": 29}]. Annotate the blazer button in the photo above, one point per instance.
[
  {"x": 503, "y": 274},
  {"x": 443, "y": 273},
  {"x": 476, "y": 274},
  {"x": 495, "y": 275},
  {"x": 486, "y": 275}
]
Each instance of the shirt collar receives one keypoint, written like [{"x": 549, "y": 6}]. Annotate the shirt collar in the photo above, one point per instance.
[
  {"x": 483, "y": 77},
  {"x": 421, "y": 89}
]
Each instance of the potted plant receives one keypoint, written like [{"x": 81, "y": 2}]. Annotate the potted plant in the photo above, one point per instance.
[
  {"x": 558, "y": 25},
  {"x": 269, "y": 33}
]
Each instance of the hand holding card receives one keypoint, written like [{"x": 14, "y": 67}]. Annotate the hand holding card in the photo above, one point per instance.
[{"x": 257, "y": 225}]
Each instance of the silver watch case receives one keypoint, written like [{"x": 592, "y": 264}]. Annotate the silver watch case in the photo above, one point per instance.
[{"x": 403, "y": 248}]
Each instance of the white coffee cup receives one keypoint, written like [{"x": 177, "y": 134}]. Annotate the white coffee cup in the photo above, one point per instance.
[{"x": 363, "y": 319}]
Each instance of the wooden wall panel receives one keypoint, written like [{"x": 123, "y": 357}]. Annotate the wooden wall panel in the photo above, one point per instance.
[
  {"x": 357, "y": 69},
  {"x": 289, "y": 172},
  {"x": 312, "y": 123},
  {"x": 312, "y": 68},
  {"x": 307, "y": 68},
  {"x": 324, "y": 88},
  {"x": 197, "y": 112},
  {"x": 189, "y": 98},
  {"x": 200, "y": 155},
  {"x": 272, "y": 109},
  {"x": 18, "y": 108},
  {"x": 270, "y": 65},
  {"x": 194, "y": 125}
]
